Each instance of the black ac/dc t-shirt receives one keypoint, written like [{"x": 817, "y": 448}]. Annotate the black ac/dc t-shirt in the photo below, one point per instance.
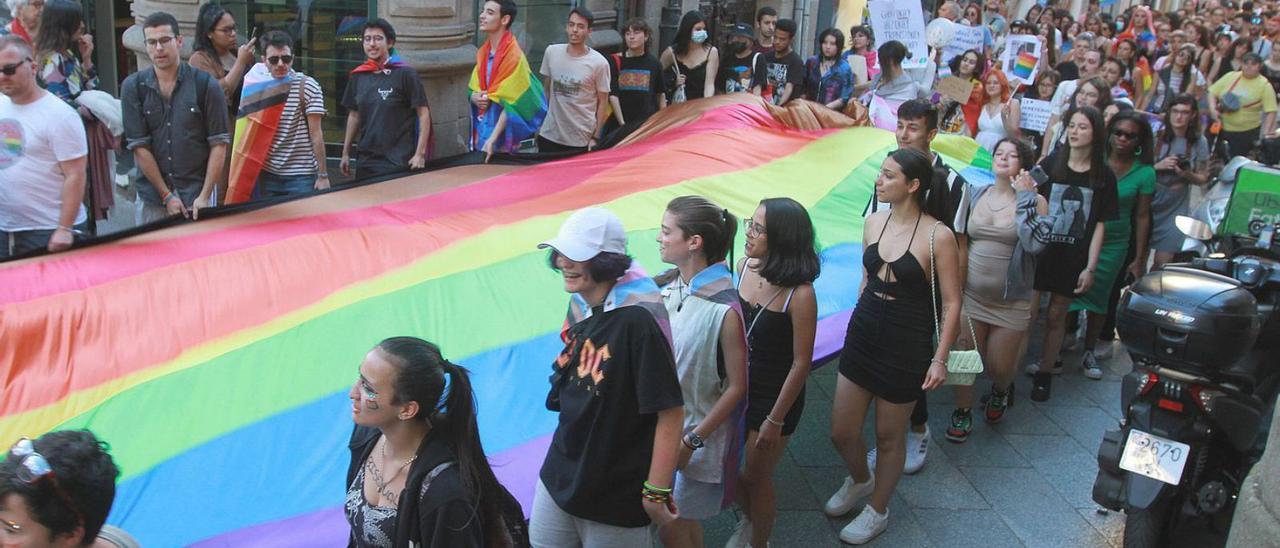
[
  {"x": 616, "y": 372},
  {"x": 387, "y": 103},
  {"x": 636, "y": 84},
  {"x": 1077, "y": 205},
  {"x": 773, "y": 73}
]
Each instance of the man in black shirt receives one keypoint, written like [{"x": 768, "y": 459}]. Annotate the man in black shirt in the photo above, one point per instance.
[
  {"x": 635, "y": 80},
  {"x": 917, "y": 126},
  {"x": 387, "y": 108},
  {"x": 779, "y": 74},
  {"x": 609, "y": 470}
]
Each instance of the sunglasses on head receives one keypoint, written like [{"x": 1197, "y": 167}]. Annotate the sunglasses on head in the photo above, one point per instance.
[
  {"x": 277, "y": 59},
  {"x": 33, "y": 467},
  {"x": 10, "y": 69}
]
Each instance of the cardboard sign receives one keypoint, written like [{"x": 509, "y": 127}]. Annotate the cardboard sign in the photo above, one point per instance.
[
  {"x": 967, "y": 38},
  {"x": 1021, "y": 59},
  {"x": 1035, "y": 114},
  {"x": 955, "y": 88},
  {"x": 901, "y": 21}
]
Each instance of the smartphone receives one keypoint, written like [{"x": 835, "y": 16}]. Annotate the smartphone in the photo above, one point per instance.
[{"x": 1039, "y": 176}]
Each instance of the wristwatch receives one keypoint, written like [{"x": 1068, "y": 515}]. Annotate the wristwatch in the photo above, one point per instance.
[{"x": 693, "y": 440}]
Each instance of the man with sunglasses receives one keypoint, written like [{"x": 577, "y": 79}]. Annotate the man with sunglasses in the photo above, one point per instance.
[
  {"x": 43, "y": 153},
  {"x": 175, "y": 122},
  {"x": 295, "y": 164},
  {"x": 56, "y": 490}
]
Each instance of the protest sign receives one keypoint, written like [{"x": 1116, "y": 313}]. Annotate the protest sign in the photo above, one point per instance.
[
  {"x": 967, "y": 38},
  {"x": 1021, "y": 59},
  {"x": 955, "y": 88},
  {"x": 901, "y": 21},
  {"x": 1035, "y": 114}
]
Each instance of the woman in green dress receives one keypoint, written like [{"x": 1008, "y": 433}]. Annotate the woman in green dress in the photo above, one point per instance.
[{"x": 1130, "y": 154}]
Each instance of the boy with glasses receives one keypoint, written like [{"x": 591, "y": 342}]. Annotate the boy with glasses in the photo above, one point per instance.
[
  {"x": 175, "y": 122},
  {"x": 281, "y": 112},
  {"x": 388, "y": 118}
]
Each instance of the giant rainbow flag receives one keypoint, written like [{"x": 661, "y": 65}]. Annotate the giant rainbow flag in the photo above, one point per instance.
[{"x": 215, "y": 357}]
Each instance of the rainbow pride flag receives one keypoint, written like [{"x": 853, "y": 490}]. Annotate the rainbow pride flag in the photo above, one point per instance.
[
  {"x": 512, "y": 86},
  {"x": 261, "y": 106},
  {"x": 1025, "y": 66},
  {"x": 216, "y": 357}
]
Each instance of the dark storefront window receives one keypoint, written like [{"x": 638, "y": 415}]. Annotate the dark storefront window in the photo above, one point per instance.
[{"x": 327, "y": 40}]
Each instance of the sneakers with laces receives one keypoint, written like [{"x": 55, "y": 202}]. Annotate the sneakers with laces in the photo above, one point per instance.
[
  {"x": 848, "y": 495},
  {"x": 1041, "y": 386},
  {"x": 1105, "y": 350},
  {"x": 1090, "y": 365},
  {"x": 917, "y": 450},
  {"x": 997, "y": 403},
  {"x": 868, "y": 525},
  {"x": 961, "y": 425},
  {"x": 1034, "y": 368},
  {"x": 741, "y": 535}
]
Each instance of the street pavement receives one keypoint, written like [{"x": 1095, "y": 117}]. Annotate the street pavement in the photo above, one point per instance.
[{"x": 1026, "y": 481}]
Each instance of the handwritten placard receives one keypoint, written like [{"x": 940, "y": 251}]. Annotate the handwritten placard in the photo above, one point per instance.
[
  {"x": 1035, "y": 114},
  {"x": 967, "y": 38},
  {"x": 955, "y": 88},
  {"x": 901, "y": 21},
  {"x": 1021, "y": 59}
]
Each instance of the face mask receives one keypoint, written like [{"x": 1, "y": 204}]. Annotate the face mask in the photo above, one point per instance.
[
  {"x": 699, "y": 36},
  {"x": 736, "y": 47}
]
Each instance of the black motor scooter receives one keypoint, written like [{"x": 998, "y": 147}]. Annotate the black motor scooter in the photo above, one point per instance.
[{"x": 1203, "y": 336}]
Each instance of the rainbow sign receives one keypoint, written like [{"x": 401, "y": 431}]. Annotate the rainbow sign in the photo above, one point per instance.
[
  {"x": 215, "y": 357},
  {"x": 1025, "y": 66}
]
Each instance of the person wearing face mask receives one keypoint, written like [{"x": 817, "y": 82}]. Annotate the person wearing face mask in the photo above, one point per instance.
[
  {"x": 828, "y": 78},
  {"x": 689, "y": 60},
  {"x": 737, "y": 61}
]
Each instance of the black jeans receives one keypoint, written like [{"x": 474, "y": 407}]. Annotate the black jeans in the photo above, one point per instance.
[{"x": 547, "y": 145}]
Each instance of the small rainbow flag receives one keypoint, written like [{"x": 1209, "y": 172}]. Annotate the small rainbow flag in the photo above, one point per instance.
[{"x": 1025, "y": 66}]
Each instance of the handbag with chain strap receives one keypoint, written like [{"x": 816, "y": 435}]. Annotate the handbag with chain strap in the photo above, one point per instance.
[{"x": 963, "y": 366}]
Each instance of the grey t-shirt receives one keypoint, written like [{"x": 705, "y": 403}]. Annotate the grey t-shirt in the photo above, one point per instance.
[
  {"x": 1173, "y": 196},
  {"x": 575, "y": 81}
]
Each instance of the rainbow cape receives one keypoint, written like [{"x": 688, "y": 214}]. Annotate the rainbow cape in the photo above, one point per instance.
[
  {"x": 512, "y": 86},
  {"x": 393, "y": 62},
  {"x": 216, "y": 357},
  {"x": 261, "y": 106}
]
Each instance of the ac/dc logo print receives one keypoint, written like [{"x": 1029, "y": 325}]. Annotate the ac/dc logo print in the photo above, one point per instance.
[{"x": 590, "y": 370}]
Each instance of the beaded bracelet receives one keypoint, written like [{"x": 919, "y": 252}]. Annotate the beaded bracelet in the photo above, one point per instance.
[{"x": 657, "y": 498}]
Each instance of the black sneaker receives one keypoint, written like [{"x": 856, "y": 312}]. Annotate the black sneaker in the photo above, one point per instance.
[
  {"x": 961, "y": 425},
  {"x": 1040, "y": 386},
  {"x": 997, "y": 403}
]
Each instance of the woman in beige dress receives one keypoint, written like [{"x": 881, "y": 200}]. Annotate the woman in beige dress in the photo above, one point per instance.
[{"x": 1000, "y": 222}]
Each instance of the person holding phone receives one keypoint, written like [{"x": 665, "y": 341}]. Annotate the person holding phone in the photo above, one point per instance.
[
  {"x": 217, "y": 53},
  {"x": 1081, "y": 190}
]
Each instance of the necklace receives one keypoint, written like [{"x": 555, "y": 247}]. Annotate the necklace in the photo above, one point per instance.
[
  {"x": 1002, "y": 208},
  {"x": 379, "y": 483}
]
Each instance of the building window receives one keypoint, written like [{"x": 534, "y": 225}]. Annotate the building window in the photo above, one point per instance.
[{"x": 327, "y": 38}]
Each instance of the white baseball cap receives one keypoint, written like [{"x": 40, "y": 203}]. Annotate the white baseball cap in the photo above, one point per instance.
[{"x": 587, "y": 233}]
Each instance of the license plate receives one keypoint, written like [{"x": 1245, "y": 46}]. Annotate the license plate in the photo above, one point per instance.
[{"x": 1155, "y": 457}]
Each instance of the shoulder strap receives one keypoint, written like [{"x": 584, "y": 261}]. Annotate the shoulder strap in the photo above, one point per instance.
[
  {"x": 787, "y": 304},
  {"x": 617, "y": 61}
]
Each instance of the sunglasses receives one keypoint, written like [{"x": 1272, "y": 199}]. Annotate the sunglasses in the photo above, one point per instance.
[
  {"x": 11, "y": 69},
  {"x": 278, "y": 59},
  {"x": 33, "y": 467},
  {"x": 1125, "y": 134}
]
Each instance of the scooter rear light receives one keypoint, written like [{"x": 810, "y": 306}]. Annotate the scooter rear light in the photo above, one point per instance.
[
  {"x": 1169, "y": 405},
  {"x": 1204, "y": 397},
  {"x": 1146, "y": 383}
]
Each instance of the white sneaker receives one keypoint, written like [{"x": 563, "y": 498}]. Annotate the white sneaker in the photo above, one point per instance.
[
  {"x": 1105, "y": 350},
  {"x": 1090, "y": 365},
  {"x": 865, "y": 527},
  {"x": 917, "y": 450},
  {"x": 848, "y": 495},
  {"x": 741, "y": 535}
]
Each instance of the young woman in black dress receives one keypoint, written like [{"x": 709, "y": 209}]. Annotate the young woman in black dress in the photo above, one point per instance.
[
  {"x": 889, "y": 353},
  {"x": 781, "y": 312}
]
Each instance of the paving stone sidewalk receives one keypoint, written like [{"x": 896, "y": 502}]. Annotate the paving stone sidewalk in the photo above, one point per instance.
[{"x": 1023, "y": 482}]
